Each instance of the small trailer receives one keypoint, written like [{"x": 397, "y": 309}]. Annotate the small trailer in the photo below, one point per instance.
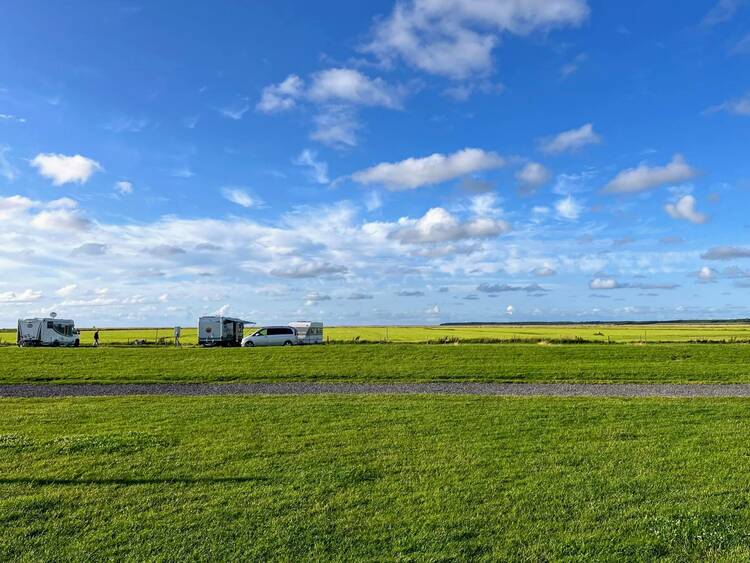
[
  {"x": 308, "y": 332},
  {"x": 49, "y": 331},
  {"x": 220, "y": 331}
]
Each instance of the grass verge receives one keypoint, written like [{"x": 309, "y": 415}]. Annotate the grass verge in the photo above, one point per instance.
[
  {"x": 385, "y": 477},
  {"x": 659, "y": 363}
]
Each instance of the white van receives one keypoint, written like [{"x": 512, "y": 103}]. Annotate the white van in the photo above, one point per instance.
[
  {"x": 308, "y": 332},
  {"x": 271, "y": 336},
  {"x": 47, "y": 332}
]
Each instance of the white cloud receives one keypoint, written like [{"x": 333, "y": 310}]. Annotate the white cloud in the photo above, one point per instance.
[
  {"x": 737, "y": 106},
  {"x": 236, "y": 111},
  {"x": 438, "y": 225},
  {"x": 684, "y": 209},
  {"x": 313, "y": 298},
  {"x": 344, "y": 85},
  {"x": 722, "y": 12},
  {"x": 7, "y": 170},
  {"x": 373, "y": 201},
  {"x": 310, "y": 270},
  {"x": 27, "y": 296},
  {"x": 485, "y": 205},
  {"x": 706, "y": 274},
  {"x": 568, "y": 208},
  {"x": 646, "y": 177},
  {"x": 571, "y": 140},
  {"x": 8, "y": 117},
  {"x": 124, "y": 188},
  {"x": 533, "y": 175},
  {"x": 67, "y": 290},
  {"x": 509, "y": 310},
  {"x": 433, "y": 311},
  {"x": 603, "y": 283},
  {"x": 416, "y": 172},
  {"x": 455, "y": 38},
  {"x": 336, "y": 126},
  {"x": 318, "y": 169},
  {"x": 282, "y": 96},
  {"x": 240, "y": 197},
  {"x": 726, "y": 253},
  {"x": 14, "y": 205},
  {"x": 60, "y": 220},
  {"x": 544, "y": 272},
  {"x": 62, "y": 169}
]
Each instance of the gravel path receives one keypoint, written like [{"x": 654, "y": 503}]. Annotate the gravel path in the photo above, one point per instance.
[{"x": 498, "y": 389}]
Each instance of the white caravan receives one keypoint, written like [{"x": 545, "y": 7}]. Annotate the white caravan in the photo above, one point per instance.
[
  {"x": 308, "y": 332},
  {"x": 220, "y": 331},
  {"x": 271, "y": 336},
  {"x": 47, "y": 332}
]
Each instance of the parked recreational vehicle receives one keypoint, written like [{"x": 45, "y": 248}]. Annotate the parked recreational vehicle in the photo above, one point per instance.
[
  {"x": 220, "y": 331},
  {"x": 308, "y": 332},
  {"x": 271, "y": 336},
  {"x": 47, "y": 332}
]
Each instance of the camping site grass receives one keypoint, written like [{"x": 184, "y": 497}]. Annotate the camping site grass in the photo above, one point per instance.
[
  {"x": 377, "y": 478},
  {"x": 593, "y": 363}
]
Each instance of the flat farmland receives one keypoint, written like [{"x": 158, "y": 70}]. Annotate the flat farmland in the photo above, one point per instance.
[
  {"x": 580, "y": 363},
  {"x": 618, "y": 333},
  {"x": 374, "y": 478}
]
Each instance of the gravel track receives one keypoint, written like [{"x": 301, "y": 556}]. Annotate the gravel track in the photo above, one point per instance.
[{"x": 497, "y": 389}]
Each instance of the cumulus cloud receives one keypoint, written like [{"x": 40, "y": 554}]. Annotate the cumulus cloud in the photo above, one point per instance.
[
  {"x": 282, "y": 96},
  {"x": 438, "y": 225},
  {"x": 644, "y": 177},
  {"x": 345, "y": 85},
  {"x": 124, "y": 188},
  {"x": 726, "y": 253},
  {"x": 544, "y": 272},
  {"x": 60, "y": 220},
  {"x": 62, "y": 169},
  {"x": 509, "y": 310},
  {"x": 684, "y": 209},
  {"x": 241, "y": 197},
  {"x": 27, "y": 296},
  {"x": 455, "y": 38},
  {"x": 571, "y": 140},
  {"x": 410, "y": 293},
  {"x": 611, "y": 283},
  {"x": 568, "y": 208},
  {"x": 706, "y": 275},
  {"x": 504, "y": 288},
  {"x": 532, "y": 176},
  {"x": 318, "y": 169},
  {"x": 310, "y": 270},
  {"x": 67, "y": 290},
  {"x": 417, "y": 172}
]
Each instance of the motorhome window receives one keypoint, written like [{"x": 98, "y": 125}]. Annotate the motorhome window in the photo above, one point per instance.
[
  {"x": 50, "y": 324},
  {"x": 61, "y": 329}
]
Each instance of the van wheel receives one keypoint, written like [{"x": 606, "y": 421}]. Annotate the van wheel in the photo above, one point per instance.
[
  {"x": 288, "y": 343},
  {"x": 248, "y": 345},
  {"x": 76, "y": 344}
]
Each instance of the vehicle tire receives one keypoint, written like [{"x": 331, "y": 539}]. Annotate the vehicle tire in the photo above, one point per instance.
[
  {"x": 288, "y": 343},
  {"x": 76, "y": 344},
  {"x": 248, "y": 345}
]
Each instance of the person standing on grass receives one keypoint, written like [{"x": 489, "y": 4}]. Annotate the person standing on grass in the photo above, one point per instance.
[
  {"x": 96, "y": 338},
  {"x": 177, "y": 333}
]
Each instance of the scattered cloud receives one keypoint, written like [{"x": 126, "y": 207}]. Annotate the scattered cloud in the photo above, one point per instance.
[
  {"x": 410, "y": 293},
  {"x": 504, "y": 288},
  {"x": 438, "y": 225},
  {"x": 62, "y": 169},
  {"x": 684, "y": 209},
  {"x": 124, "y": 188},
  {"x": 314, "y": 298},
  {"x": 90, "y": 249},
  {"x": 336, "y": 126},
  {"x": 568, "y": 208},
  {"x": 241, "y": 197},
  {"x": 67, "y": 290},
  {"x": 611, "y": 283},
  {"x": 544, "y": 272},
  {"x": 417, "y": 172},
  {"x": 8, "y": 117},
  {"x": 722, "y": 12},
  {"x": 60, "y": 220},
  {"x": 282, "y": 96},
  {"x": 318, "y": 169},
  {"x": 236, "y": 111},
  {"x": 706, "y": 275},
  {"x": 27, "y": 296},
  {"x": 7, "y": 170},
  {"x": 737, "y": 106},
  {"x": 310, "y": 270},
  {"x": 533, "y": 176},
  {"x": 571, "y": 140},
  {"x": 455, "y": 38},
  {"x": 359, "y": 296},
  {"x": 345, "y": 85},
  {"x": 726, "y": 253},
  {"x": 509, "y": 310},
  {"x": 644, "y": 177},
  {"x": 572, "y": 67}
]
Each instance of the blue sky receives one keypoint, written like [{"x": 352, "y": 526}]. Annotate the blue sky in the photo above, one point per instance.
[{"x": 421, "y": 161}]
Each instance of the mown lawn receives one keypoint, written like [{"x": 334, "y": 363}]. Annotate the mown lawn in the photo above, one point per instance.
[
  {"x": 378, "y": 478},
  {"x": 658, "y": 363}
]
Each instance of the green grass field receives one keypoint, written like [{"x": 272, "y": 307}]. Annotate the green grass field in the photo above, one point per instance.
[
  {"x": 594, "y": 333},
  {"x": 655, "y": 363},
  {"x": 374, "y": 478}
]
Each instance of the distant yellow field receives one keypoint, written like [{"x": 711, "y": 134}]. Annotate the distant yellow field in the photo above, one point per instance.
[{"x": 594, "y": 333}]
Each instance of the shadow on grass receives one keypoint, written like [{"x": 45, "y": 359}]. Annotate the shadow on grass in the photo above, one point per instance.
[{"x": 127, "y": 481}]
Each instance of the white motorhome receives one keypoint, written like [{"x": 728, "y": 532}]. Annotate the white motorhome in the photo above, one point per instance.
[
  {"x": 308, "y": 332},
  {"x": 220, "y": 331},
  {"x": 47, "y": 332}
]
